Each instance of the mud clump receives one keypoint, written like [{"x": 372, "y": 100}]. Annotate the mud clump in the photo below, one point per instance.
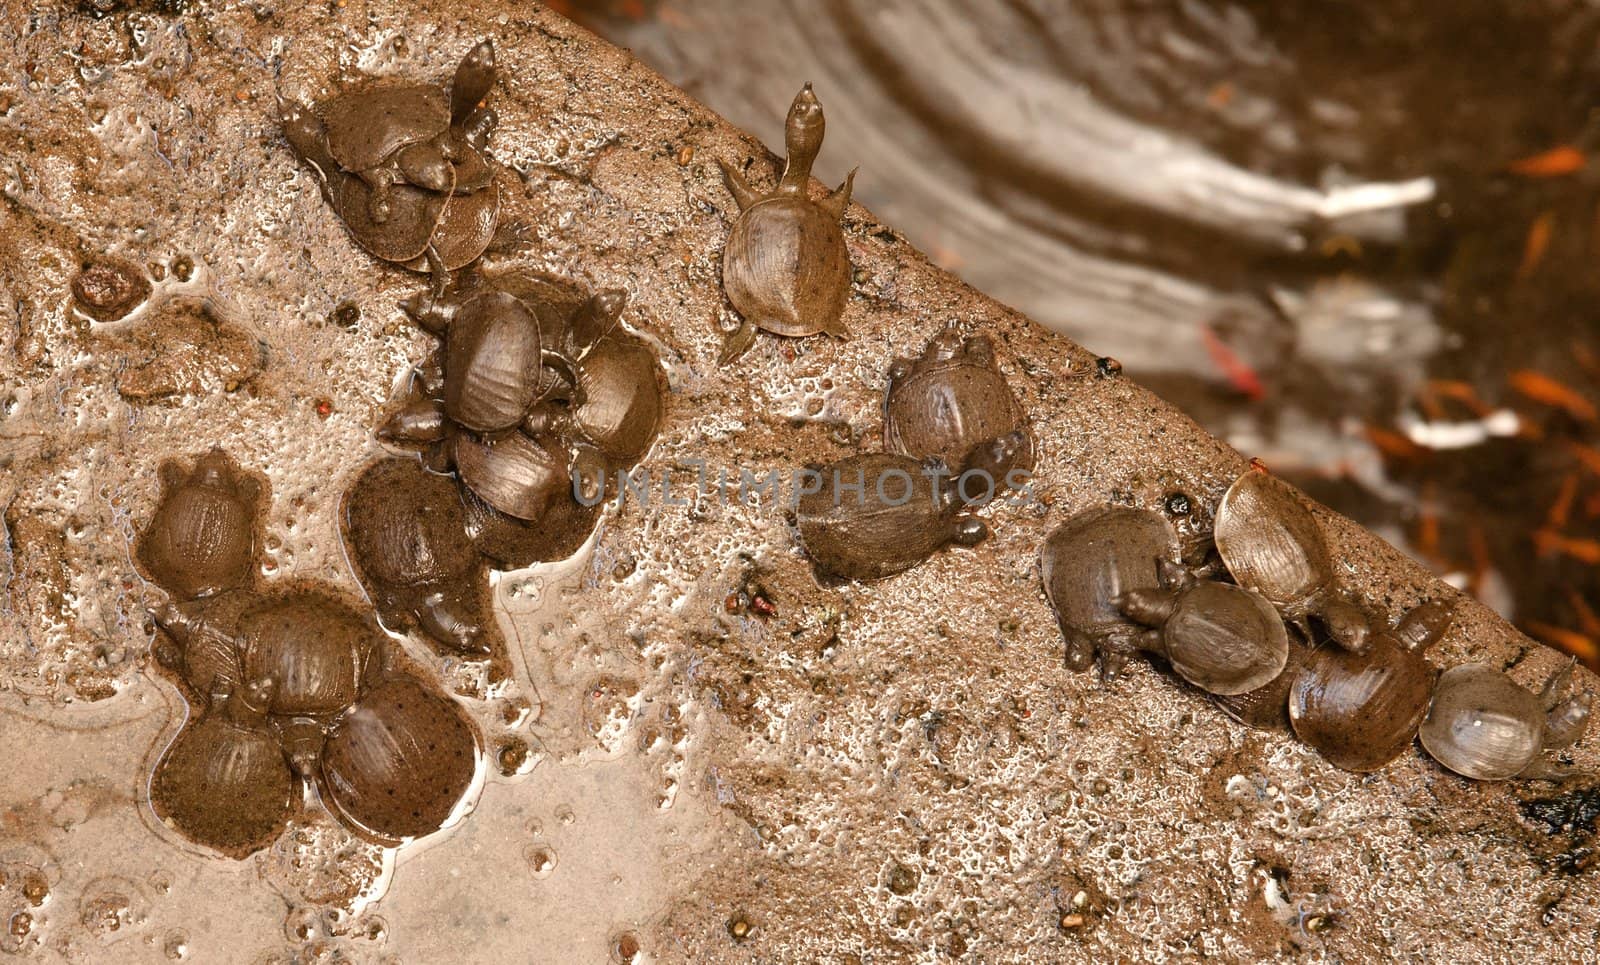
[{"x": 109, "y": 289}]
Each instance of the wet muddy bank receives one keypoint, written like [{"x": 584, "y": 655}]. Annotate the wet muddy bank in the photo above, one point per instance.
[{"x": 729, "y": 760}]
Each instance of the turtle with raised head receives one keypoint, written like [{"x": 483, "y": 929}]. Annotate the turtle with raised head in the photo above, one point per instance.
[{"x": 786, "y": 268}]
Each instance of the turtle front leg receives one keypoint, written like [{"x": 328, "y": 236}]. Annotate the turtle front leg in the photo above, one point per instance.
[
  {"x": 836, "y": 202},
  {"x": 743, "y": 194}
]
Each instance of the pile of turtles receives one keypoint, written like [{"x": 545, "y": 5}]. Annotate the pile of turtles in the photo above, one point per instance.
[
  {"x": 286, "y": 687},
  {"x": 537, "y": 393}
]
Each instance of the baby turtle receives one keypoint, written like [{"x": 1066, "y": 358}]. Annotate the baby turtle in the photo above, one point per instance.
[
  {"x": 618, "y": 399},
  {"x": 1272, "y": 544},
  {"x": 1088, "y": 563},
  {"x": 786, "y": 268},
  {"x": 201, "y": 645},
  {"x": 951, "y": 403},
  {"x": 495, "y": 364},
  {"x": 408, "y": 539},
  {"x": 1222, "y": 638},
  {"x": 398, "y": 762},
  {"x": 313, "y": 646},
  {"x": 526, "y": 477},
  {"x": 386, "y": 133},
  {"x": 1482, "y": 725},
  {"x": 1362, "y": 710},
  {"x": 201, "y": 539},
  {"x": 403, "y": 167},
  {"x": 878, "y": 514},
  {"x": 224, "y": 782}
]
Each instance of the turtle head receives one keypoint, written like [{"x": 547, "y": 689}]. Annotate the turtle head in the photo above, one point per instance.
[{"x": 803, "y": 138}]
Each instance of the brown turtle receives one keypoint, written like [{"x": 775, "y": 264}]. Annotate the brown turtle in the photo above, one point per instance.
[{"x": 786, "y": 268}]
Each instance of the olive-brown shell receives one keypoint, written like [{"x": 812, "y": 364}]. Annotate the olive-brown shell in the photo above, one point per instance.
[
  {"x": 786, "y": 268},
  {"x": 314, "y": 646},
  {"x": 619, "y": 398},
  {"x": 1225, "y": 639},
  {"x": 369, "y": 124},
  {"x": 1096, "y": 556},
  {"x": 407, "y": 529},
  {"x": 225, "y": 784},
  {"x": 414, "y": 215},
  {"x": 1271, "y": 542},
  {"x": 1482, "y": 725},
  {"x": 1361, "y": 710},
  {"x": 951, "y": 400},
  {"x": 897, "y": 519},
  {"x": 398, "y": 762},
  {"x": 201, "y": 539},
  {"x": 466, "y": 227},
  {"x": 493, "y": 363}
]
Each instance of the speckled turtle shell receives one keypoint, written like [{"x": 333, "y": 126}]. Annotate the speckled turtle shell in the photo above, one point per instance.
[
  {"x": 950, "y": 400},
  {"x": 315, "y": 647},
  {"x": 407, "y": 528},
  {"x": 368, "y": 125},
  {"x": 397, "y": 763},
  {"x": 1481, "y": 724},
  {"x": 1092, "y": 559},
  {"x": 869, "y": 537},
  {"x": 224, "y": 782}
]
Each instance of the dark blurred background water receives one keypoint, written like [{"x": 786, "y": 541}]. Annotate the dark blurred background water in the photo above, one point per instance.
[{"x": 1356, "y": 239}]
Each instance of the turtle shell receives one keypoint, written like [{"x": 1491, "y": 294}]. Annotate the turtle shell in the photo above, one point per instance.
[
  {"x": 1482, "y": 725},
  {"x": 398, "y": 762},
  {"x": 406, "y": 528},
  {"x": 894, "y": 522},
  {"x": 465, "y": 229},
  {"x": 1271, "y": 543},
  {"x": 944, "y": 409},
  {"x": 315, "y": 647},
  {"x": 786, "y": 268},
  {"x": 366, "y": 126},
  {"x": 1225, "y": 639},
  {"x": 1361, "y": 710},
  {"x": 493, "y": 363},
  {"x": 201, "y": 540},
  {"x": 1098, "y": 555},
  {"x": 516, "y": 475},
  {"x": 414, "y": 214},
  {"x": 619, "y": 385},
  {"x": 224, "y": 784}
]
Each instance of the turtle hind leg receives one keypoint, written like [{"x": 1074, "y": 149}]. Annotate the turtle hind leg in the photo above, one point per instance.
[
  {"x": 738, "y": 342},
  {"x": 446, "y": 620},
  {"x": 837, "y": 328},
  {"x": 743, "y": 195}
]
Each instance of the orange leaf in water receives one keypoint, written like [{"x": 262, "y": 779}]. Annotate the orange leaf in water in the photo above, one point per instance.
[
  {"x": 1573, "y": 642},
  {"x": 1549, "y": 164},
  {"x": 1236, "y": 370},
  {"x": 1533, "y": 250},
  {"x": 1545, "y": 390}
]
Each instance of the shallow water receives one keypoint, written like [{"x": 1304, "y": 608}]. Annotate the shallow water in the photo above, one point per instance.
[{"x": 1354, "y": 239}]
